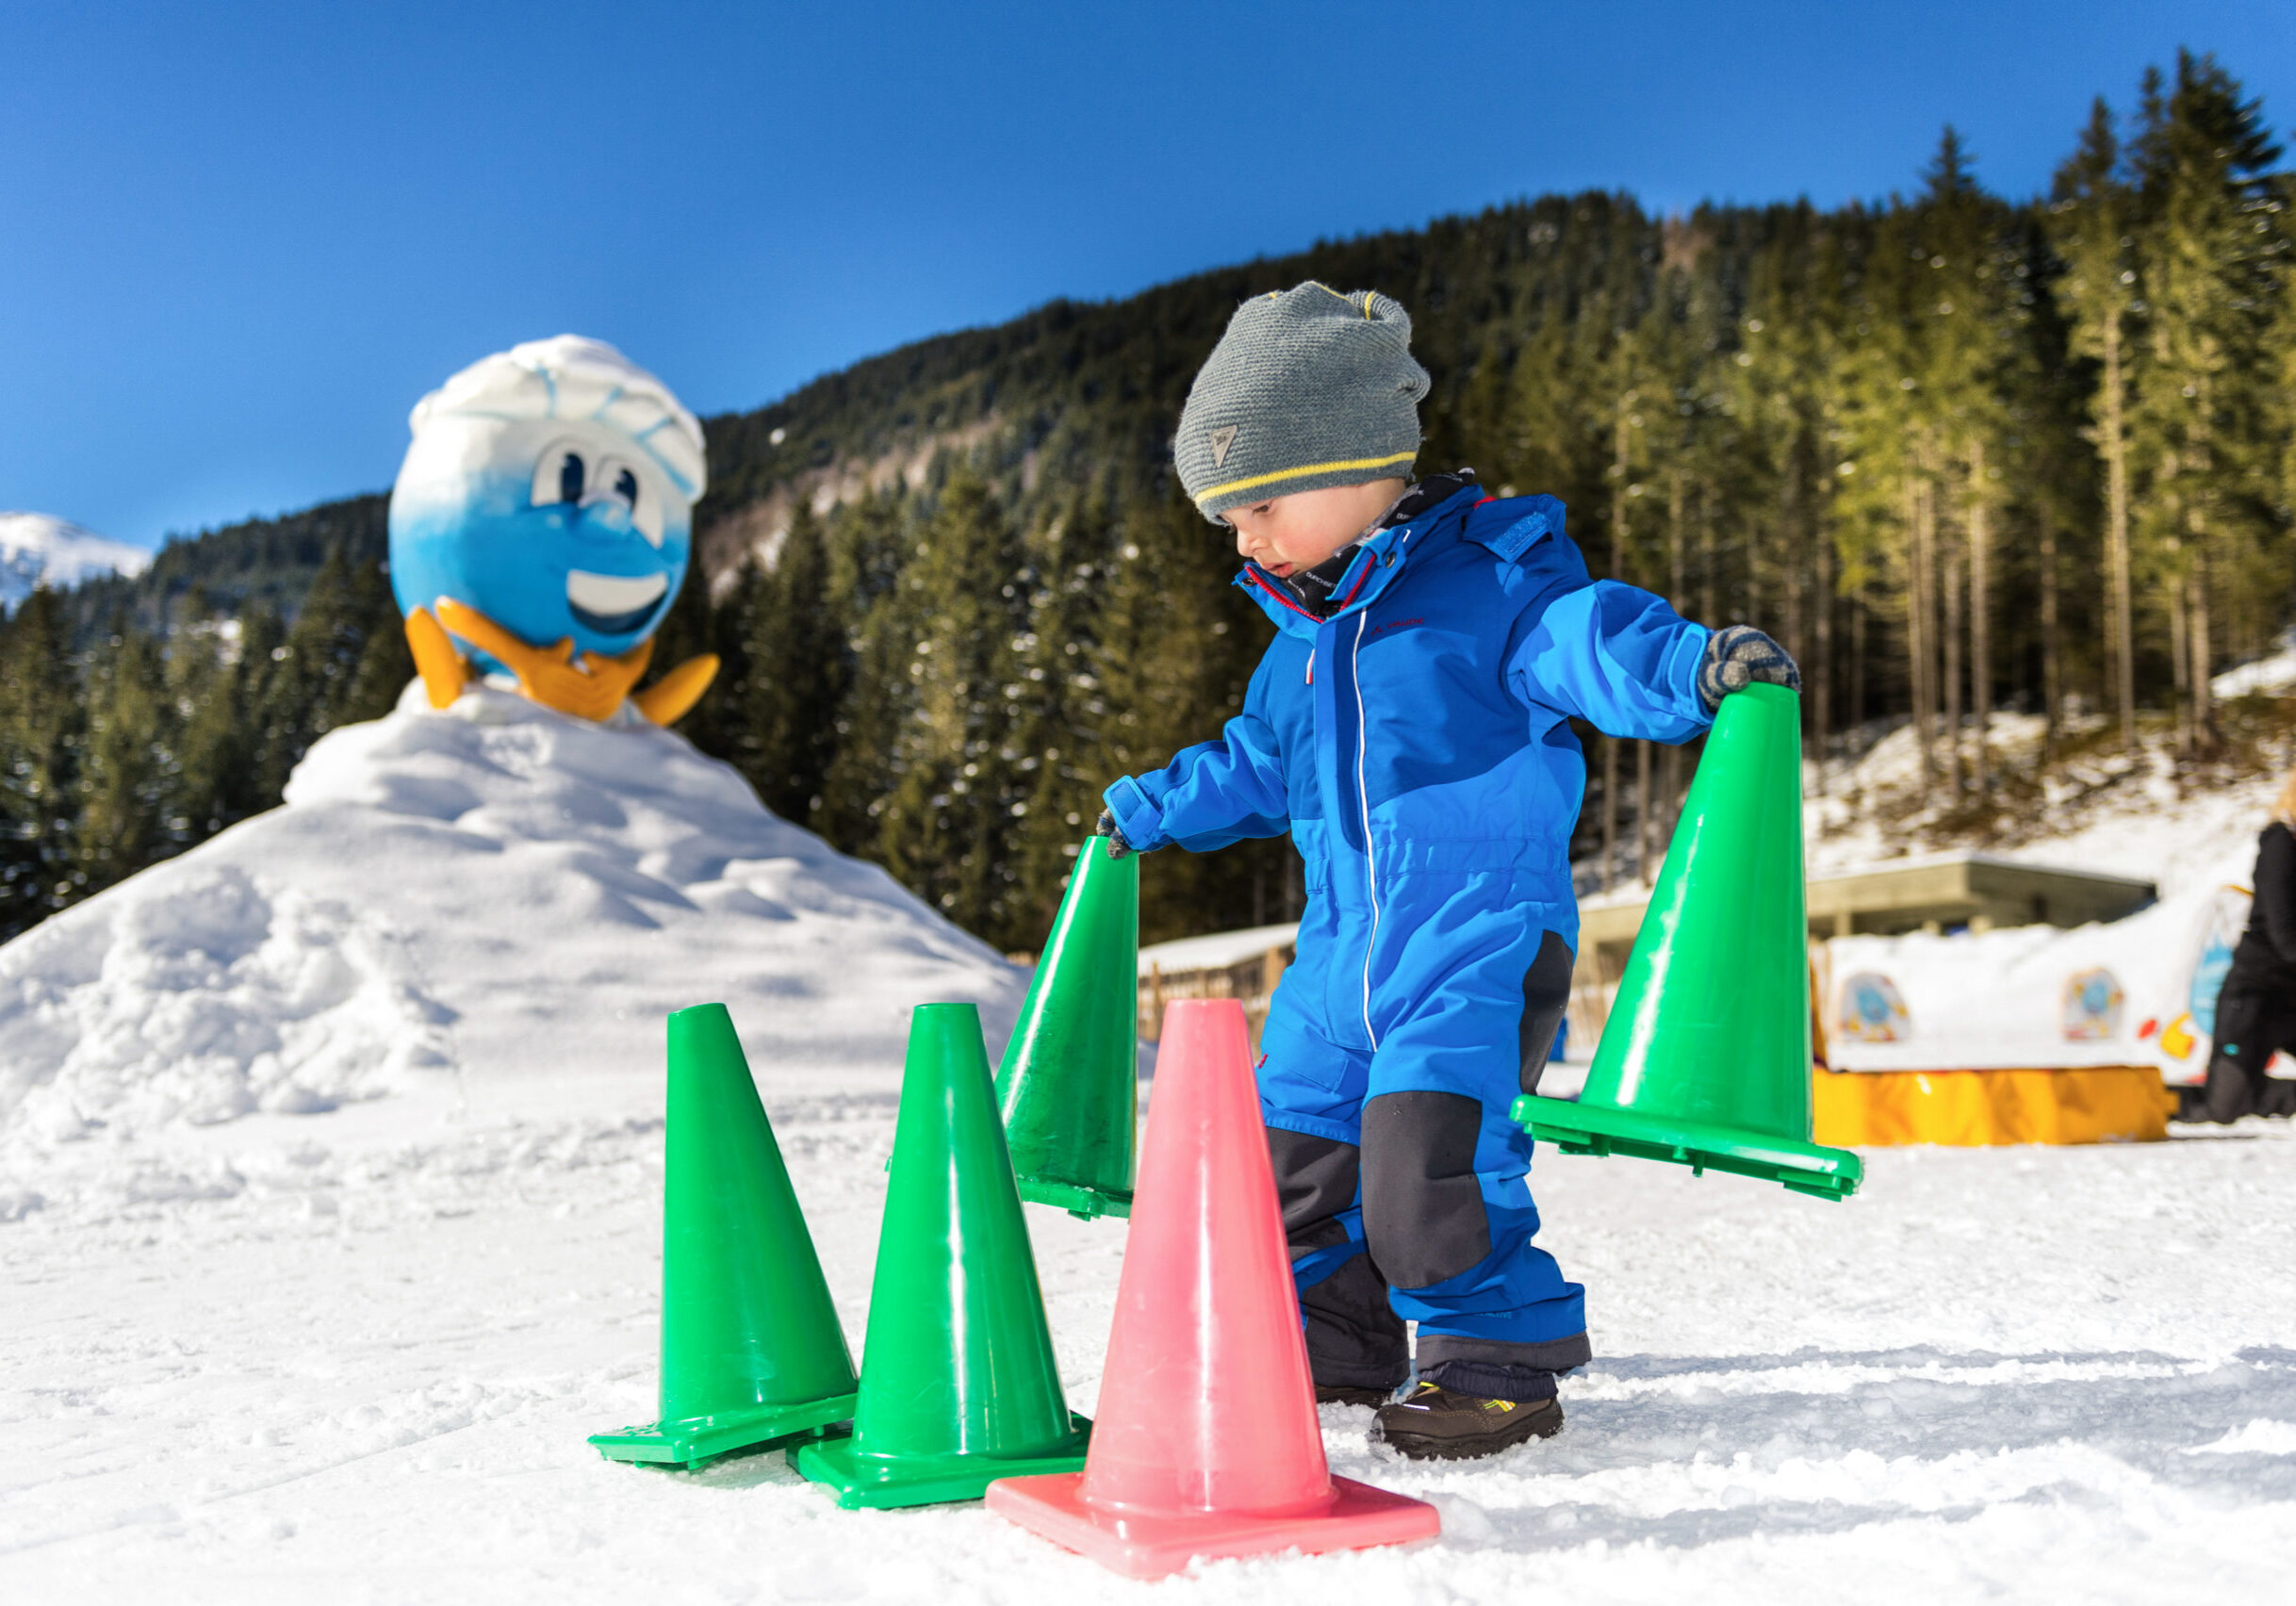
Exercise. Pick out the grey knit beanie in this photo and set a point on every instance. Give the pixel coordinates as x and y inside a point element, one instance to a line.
<point>1307,388</point>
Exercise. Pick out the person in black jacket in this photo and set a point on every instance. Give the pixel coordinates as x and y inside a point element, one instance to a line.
<point>2255,1011</point>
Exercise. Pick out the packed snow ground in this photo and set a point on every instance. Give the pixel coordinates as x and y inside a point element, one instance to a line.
<point>333,1324</point>
<point>354,1357</point>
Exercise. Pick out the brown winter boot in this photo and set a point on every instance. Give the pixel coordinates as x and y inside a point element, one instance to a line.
<point>1434,1423</point>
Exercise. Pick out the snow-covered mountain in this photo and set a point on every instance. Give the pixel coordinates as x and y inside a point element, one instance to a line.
<point>497,905</point>
<point>36,547</point>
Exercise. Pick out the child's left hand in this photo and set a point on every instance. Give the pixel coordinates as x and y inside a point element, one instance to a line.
<point>1106,826</point>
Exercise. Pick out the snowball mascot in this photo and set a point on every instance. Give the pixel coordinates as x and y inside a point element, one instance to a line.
<point>543,515</point>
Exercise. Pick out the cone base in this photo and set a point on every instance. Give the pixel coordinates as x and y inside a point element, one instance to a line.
<point>693,1440</point>
<point>1077,1200</point>
<point>1595,1130</point>
<point>873,1483</point>
<point>1140,1545</point>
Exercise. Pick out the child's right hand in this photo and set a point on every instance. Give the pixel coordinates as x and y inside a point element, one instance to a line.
<point>1737,657</point>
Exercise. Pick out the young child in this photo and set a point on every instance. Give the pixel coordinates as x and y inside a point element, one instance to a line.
<point>1408,728</point>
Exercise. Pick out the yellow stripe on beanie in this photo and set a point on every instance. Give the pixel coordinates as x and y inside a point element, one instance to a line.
<point>1344,466</point>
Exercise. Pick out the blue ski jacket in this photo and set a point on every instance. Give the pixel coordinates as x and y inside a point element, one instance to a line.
<point>1416,745</point>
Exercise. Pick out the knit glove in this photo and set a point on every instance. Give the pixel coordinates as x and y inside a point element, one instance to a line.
<point>1106,826</point>
<point>1739,656</point>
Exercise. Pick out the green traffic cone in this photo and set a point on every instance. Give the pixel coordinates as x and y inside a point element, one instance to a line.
<point>958,1382</point>
<point>751,1350</point>
<point>1069,1083</point>
<point>1705,1061</point>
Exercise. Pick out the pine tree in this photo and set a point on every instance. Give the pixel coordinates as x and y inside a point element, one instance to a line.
<point>1967,337</point>
<point>884,604</point>
<point>202,666</point>
<point>946,829</point>
<point>126,814</point>
<point>42,721</point>
<point>2211,242</point>
<point>2092,213</point>
<point>1056,736</point>
<point>1884,501</point>
<point>2051,461</point>
<point>796,674</point>
<point>344,660</point>
<point>1780,381</point>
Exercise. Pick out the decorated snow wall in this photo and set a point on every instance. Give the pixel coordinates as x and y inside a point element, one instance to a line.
<point>2134,991</point>
<point>2031,1035</point>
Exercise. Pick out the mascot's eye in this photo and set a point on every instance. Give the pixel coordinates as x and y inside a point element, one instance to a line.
<point>559,474</point>
<point>618,481</point>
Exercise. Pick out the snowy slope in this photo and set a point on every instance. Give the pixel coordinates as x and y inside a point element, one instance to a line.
<point>490,908</point>
<point>35,547</point>
<point>2118,814</point>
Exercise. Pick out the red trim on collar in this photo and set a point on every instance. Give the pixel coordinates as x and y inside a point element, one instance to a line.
<point>1280,596</point>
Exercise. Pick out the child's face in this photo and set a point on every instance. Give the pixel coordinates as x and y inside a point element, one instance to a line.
<point>1287,534</point>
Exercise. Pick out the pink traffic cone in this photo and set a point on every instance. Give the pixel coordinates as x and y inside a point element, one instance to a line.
<point>1206,1442</point>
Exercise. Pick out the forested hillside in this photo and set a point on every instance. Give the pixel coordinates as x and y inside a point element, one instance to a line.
<point>1961,452</point>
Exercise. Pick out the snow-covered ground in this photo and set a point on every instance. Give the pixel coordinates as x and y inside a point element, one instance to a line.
<point>354,1357</point>
<point>332,1325</point>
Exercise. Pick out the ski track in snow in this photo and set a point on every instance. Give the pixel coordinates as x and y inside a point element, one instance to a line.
<point>330,1226</point>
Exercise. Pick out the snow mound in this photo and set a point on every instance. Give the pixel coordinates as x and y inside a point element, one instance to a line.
<point>2262,1436</point>
<point>496,904</point>
<point>36,549</point>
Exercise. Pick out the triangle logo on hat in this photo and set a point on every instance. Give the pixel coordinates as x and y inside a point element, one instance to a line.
<point>1223,438</point>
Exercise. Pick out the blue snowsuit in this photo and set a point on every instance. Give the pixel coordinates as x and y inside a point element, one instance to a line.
<point>1415,744</point>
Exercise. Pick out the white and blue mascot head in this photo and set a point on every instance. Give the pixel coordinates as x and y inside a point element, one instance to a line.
<point>549,493</point>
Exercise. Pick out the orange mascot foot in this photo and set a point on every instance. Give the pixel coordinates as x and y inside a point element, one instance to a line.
<point>667,700</point>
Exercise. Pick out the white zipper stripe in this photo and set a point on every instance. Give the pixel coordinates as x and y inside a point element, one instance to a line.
<point>1363,795</point>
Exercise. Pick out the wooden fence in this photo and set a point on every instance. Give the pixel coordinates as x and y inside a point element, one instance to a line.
<point>1251,979</point>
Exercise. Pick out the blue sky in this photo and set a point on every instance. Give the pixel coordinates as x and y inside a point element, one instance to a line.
<point>237,241</point>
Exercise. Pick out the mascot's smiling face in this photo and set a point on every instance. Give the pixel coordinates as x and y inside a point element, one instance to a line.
<point>552,488</point>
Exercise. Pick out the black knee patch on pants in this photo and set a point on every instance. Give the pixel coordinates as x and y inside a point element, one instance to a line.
<point>1315,1180</point>
<point>1424,1218</point>
<point>1546,999</point>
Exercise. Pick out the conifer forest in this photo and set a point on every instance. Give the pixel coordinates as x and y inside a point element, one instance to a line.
<point>1962,453</point>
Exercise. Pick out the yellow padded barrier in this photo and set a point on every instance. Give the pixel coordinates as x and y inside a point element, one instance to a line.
<point>1974,1108</point>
